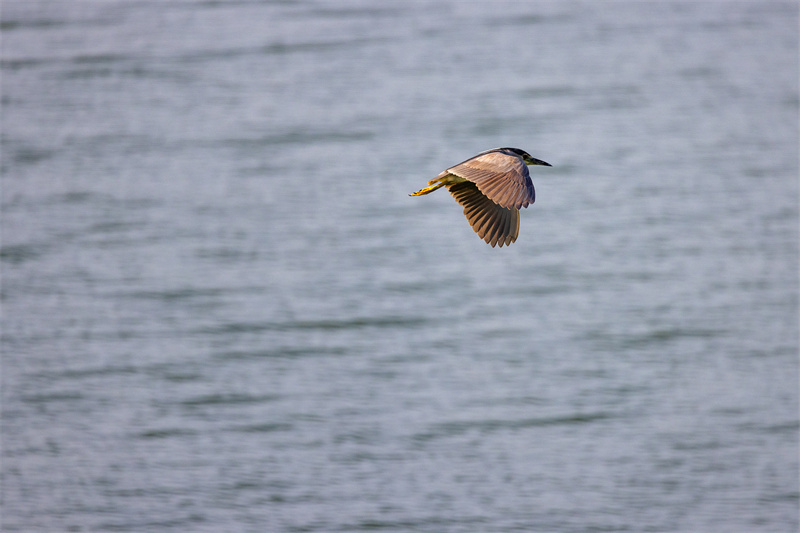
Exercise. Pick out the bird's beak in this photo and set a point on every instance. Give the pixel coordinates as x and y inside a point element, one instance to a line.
<point>534,161</point>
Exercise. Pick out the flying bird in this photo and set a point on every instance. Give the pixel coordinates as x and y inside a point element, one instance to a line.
<point>492,187</point>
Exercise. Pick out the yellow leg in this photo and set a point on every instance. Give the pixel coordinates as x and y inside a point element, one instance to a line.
<point>428,189</point>
<point>435,183</point>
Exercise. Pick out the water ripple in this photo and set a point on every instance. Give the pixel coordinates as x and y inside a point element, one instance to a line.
<point>450,429</point>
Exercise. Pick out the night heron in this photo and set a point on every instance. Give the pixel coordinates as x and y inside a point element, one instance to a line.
<point>492,186</point>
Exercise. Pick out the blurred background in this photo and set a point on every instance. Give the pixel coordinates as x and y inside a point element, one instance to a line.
<point>222,312</point>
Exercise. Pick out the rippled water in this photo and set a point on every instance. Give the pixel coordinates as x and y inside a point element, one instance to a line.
<point>222,312</point>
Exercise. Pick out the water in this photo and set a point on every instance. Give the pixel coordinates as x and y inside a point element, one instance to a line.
<point>222,312</point>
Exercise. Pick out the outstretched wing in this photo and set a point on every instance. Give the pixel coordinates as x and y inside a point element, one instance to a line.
<point>503,178</point>
<point>493,223</point>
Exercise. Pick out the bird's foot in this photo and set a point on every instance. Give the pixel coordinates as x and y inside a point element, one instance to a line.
<point>428,189</point>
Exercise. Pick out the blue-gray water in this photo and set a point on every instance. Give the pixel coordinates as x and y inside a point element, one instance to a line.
<point>222,312</point>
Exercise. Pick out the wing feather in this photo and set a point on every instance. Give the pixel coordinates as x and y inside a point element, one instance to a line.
<point>492,222</point>
<point>503,178</point>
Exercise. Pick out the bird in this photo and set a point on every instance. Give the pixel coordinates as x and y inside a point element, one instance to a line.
<point>492,187</point>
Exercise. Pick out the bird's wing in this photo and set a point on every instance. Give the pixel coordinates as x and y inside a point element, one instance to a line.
<point>493,223</point>
<point>503,178</point>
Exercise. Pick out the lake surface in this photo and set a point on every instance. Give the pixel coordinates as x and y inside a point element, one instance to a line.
<point>221,311</point>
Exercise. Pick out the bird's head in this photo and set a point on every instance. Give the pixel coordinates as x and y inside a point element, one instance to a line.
<point>526,157</point>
